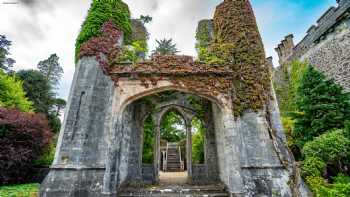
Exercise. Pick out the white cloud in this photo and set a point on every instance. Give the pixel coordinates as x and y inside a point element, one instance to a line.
<point>39,28</point>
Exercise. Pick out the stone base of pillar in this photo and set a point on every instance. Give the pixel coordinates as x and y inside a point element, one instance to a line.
<point>73,183</point>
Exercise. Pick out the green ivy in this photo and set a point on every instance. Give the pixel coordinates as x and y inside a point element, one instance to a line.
<point>100,12</point>
<point>134,52</point>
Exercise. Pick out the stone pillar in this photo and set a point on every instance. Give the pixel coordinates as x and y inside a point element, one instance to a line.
<point>157,152</point>
<point>232,149</point>
<point>189,150</point>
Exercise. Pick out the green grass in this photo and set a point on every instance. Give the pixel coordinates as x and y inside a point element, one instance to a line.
<point>26,190</point>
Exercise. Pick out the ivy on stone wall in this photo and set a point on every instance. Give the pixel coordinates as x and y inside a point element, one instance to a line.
<point>238,43</point>
<point>99,13</point>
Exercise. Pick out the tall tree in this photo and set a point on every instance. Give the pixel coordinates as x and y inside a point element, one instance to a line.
<point>5,63</point>
<point>165,47</point>
<point>321,104</point>
<point>51,69</point>
<point>40,92</point>
<point>38,89</point>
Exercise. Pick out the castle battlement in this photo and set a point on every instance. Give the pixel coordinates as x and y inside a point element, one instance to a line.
<point>325,24</point>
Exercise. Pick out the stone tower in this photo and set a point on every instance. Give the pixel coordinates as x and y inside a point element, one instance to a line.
<point>100,145</point>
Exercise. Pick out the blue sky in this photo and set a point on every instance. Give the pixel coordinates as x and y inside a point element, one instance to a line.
<point>39,28</point>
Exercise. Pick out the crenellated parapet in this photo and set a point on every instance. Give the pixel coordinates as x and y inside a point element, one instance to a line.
<point>324,26</point>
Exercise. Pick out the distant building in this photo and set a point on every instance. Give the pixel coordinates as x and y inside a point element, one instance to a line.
<point>326,46</point>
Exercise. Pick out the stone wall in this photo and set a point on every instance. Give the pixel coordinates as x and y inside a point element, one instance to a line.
<point>326,46</point>
<point>332,56</point>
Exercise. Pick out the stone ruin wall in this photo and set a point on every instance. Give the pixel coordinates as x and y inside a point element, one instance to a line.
<point>326,46</point>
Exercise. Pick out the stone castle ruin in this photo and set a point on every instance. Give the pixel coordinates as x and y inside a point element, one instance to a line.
<point>99,151</point>
<point>326,46</point>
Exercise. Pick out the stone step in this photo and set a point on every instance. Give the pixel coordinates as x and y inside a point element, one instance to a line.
<point>191,191</point>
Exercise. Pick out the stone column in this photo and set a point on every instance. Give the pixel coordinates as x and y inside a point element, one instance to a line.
<point>157,152</point>
<point>232,149</point>
<point>189,150</point>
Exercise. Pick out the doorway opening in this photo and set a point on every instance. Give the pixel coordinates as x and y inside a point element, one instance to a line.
<point>173,138</point>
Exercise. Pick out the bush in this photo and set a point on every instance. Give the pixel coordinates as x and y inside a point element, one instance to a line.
<point>23,137</point>
<point>12,94</point>
<point>331,147</point>
<point>27,190</point>
<point>48,156</point>
<point>313,166</point>
<point>321,188</point>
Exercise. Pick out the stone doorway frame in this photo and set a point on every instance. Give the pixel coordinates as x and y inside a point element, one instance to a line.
<point>187,115</point>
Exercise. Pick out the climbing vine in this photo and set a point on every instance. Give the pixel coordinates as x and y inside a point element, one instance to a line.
<point>100,12</point>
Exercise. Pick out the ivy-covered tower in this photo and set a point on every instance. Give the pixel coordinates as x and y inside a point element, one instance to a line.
<point>99,151</point>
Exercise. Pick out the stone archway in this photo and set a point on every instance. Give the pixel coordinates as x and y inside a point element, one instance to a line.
<point>98,149</point>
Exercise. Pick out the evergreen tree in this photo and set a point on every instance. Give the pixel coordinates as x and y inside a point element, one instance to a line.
<point>5,62</point>
<point>40,92</point>
<point>165,47</point>
<point>322,105</point>
<point>38,89</point>
<point>51,69</point>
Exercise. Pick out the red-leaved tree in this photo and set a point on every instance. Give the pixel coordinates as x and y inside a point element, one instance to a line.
<point>23,137</point>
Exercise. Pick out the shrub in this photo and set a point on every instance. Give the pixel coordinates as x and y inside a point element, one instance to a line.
<point>331,147</point>
<point>313,166</point>
<point>12,94</point>
<point>321,188</point>
<point>47,157</point>
<point>23,137</point>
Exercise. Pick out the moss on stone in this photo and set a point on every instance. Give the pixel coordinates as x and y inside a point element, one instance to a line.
<point>99,13</point>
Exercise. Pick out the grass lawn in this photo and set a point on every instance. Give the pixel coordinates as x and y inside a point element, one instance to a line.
<point>26,190</point>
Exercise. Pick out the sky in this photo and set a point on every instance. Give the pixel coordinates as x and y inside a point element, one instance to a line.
<point>38,28</point>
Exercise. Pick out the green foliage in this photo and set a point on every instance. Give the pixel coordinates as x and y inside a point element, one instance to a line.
<point>12,94</point>
<point>48,156</point>
<point>322,105</point>
<point>172,127</point>
<point>51,69</point>
<point>320,188</point>
<point>313,166</point>
<point>332,147</point>
<point>148,141</point>
<point>26,190</point>
<point>135,52</point>
<point>197,142</point>
<point>100,12</point>
<point>6,63</point>
<point>288,92</point>
<point>54,122</point>
<point>165,47</point>
<point>38,89</point>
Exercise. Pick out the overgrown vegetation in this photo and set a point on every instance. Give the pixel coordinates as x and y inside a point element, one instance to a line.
<point>26,190</point>
<point>316,111</point>
<point>100,12</point>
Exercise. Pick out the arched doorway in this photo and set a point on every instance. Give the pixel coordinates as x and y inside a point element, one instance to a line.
<point>170,120</point>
